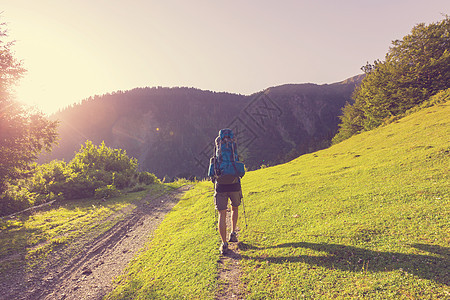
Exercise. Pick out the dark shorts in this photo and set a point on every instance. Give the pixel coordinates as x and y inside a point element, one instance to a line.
<point>221,199</point>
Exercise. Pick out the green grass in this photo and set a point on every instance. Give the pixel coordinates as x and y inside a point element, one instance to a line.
<point>365,219</point>
<point>27,239</point>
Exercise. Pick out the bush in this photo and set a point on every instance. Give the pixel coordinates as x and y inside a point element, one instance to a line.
<point>94,171</point>
<point>147,178</point>
<point>122,180</point>
<point>106,192</point>
<point>79,187</point>
<point>14,199</point>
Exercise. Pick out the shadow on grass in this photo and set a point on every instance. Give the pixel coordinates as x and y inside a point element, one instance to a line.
<point>349,258</point>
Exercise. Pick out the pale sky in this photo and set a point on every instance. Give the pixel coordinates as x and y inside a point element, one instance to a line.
<point>77,49</point>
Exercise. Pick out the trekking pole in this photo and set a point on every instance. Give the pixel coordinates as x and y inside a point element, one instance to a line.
<point>215,218</point>
<point>215,214</point>
<point>245,216</point>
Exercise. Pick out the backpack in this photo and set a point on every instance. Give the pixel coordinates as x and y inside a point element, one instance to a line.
<point>225,166</point>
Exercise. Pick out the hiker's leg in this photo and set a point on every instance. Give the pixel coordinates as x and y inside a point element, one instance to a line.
<point>223,225</point>
<point>235,198</point>
<point>221,202</point>
<point>234,217</point>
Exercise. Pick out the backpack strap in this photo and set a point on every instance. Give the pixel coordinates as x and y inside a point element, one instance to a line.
<point>215,158</point>
<point>234,158</point>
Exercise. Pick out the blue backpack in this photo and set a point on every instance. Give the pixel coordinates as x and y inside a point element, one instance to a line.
<point>225,166</point>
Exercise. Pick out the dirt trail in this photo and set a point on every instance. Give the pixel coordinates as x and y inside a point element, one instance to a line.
<point>90,274</point>
<point>230,270</point>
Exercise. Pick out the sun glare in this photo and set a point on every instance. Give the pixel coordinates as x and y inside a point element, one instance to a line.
<point>63,66</point>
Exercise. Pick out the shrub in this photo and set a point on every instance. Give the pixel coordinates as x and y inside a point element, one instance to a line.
<point>14,199</point>
<point>106,192</point>
<point>94,171</point>
<point>122,180</point>
<point>147,178</point>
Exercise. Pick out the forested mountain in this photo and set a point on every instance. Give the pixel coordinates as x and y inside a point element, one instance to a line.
<point>171,130</point>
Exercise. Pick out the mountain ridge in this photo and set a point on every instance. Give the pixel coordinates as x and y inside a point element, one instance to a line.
<point>170,130</point>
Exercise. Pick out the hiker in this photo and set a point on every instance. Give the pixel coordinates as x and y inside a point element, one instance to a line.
<point>223,192</point>
<point>226,171</point>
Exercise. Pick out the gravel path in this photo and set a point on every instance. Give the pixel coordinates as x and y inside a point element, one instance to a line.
<point>229,269</point>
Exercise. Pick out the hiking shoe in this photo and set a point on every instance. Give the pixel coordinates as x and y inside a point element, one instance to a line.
<point>233,237</point>
<point>224,248</point>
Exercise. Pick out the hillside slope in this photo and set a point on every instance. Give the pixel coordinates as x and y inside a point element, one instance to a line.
<point>171,130</point>
<point>367,218</point>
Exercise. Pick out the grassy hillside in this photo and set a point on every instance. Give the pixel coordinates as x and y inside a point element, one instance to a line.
<point>367,218</point>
